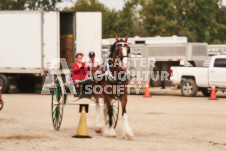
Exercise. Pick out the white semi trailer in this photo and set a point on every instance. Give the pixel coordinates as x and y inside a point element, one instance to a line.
<point>30,39</point>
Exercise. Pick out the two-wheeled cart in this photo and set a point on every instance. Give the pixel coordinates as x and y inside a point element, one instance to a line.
<point>59,94</point>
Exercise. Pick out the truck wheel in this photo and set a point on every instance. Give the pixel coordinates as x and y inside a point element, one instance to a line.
<point>206,92</point>
<point>5,83</point>
<point>189,88</point>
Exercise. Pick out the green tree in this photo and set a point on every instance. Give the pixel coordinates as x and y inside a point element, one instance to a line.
<point>30,4</point>
<point>87,6</point>
<point>221,24</point>
<point>200,19</point>
<point>183,23</point>
<point>12,4</point>
<point>108,17</point>
<point>42,4</point>
<point>114,22</point>
<point>158,17</point>
<point>109,21</point>
<point>126,21</point>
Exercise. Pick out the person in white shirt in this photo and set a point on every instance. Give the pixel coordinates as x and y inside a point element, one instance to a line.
<point>92,62</point>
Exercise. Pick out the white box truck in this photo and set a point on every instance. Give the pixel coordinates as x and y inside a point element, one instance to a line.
<point>30,39</point>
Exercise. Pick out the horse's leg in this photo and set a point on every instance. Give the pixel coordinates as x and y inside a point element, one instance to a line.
<point>126,131</point>
<point>105,111</point>
<point>109,130</point>
<point>99,122</point>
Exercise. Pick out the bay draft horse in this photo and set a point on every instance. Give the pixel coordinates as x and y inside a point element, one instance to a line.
<point>117,63</point>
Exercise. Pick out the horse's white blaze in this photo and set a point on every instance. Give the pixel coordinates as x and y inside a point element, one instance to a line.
<point>124,53</point>
<point>126,132</point>
<point>99,123</point>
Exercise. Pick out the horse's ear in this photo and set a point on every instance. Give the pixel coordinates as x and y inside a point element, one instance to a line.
<point>116,37</point>
<point>126,38</point>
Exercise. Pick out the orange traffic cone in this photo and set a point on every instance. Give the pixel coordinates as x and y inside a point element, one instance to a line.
<point>147,92</point>
<point>213,93</point>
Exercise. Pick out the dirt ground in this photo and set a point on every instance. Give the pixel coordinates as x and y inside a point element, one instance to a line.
<point>160,123</point>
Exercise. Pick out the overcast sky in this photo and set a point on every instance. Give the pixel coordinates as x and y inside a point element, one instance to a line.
<point>112,4</point>
<point>116,4</point>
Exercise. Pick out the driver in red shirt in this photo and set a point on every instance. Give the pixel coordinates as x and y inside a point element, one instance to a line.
<point>79,69</point>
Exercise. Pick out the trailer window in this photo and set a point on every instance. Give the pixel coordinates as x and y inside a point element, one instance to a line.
<point>220,63</point>
<point>139,42</point>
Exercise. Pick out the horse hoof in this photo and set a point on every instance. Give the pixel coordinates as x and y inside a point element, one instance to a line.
<point>98,129</point>
<point>127,137</point>
<point>128,134</point>
<point>109,132</point>
<point>99,126</point>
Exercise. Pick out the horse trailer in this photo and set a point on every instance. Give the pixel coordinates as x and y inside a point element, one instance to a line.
<point>160,54</point>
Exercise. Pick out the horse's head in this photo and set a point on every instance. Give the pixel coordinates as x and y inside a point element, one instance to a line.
<point>122,51</point>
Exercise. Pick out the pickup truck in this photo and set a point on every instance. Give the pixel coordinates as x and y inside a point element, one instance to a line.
<point>194,79</point>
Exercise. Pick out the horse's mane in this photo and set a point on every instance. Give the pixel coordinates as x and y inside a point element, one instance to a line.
<point>113,48</point>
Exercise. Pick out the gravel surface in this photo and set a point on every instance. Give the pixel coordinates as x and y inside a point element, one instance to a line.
<point>162,122</point>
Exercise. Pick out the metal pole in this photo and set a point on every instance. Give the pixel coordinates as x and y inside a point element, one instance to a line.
<point>42,43</point>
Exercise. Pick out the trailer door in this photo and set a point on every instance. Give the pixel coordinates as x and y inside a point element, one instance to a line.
<point>51,38</point>
<point>89,33</point>
<point>20,41</point>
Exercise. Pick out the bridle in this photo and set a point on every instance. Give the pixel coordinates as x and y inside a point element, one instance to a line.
<point>122,44</point>
<point>126,76</point>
